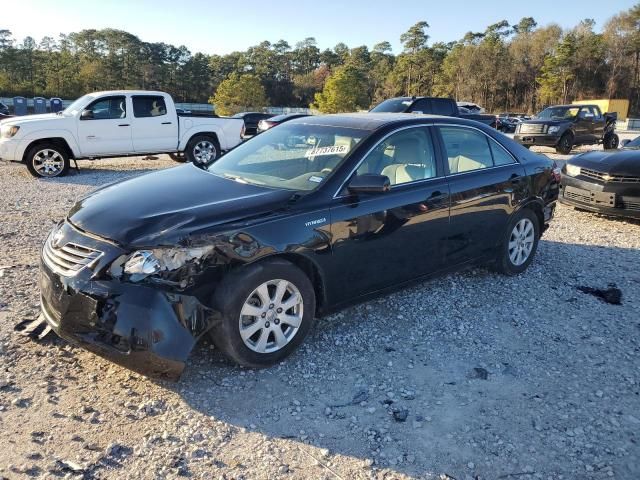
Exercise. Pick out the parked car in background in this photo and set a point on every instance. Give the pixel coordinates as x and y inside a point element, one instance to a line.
<point>605,182</point>
<point>268,123</point>
<point>431,105</point>
<point>303,219</point>
<point>506,124</point>
<point>114,124</point>
<point>4,109</point>
<point>251,120</point>
<point>568,126</point>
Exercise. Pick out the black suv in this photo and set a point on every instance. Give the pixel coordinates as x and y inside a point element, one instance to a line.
<point>567,126</point>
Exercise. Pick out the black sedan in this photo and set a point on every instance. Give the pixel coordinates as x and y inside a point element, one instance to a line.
<point>606,182</point>
<point>251,120</point>
<point>303,219</point>
<point>268,123</point>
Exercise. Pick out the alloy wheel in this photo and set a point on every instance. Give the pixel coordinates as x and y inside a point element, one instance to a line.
<point>521,242</point>
<point>48,163</point>
<point>271,316</point>
<point>204,152</point>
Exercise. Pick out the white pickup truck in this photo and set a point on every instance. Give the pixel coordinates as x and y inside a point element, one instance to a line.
<point>114,124</point>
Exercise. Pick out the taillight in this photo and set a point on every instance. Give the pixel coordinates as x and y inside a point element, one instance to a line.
<point>556,172</point>
<point>242,130</point>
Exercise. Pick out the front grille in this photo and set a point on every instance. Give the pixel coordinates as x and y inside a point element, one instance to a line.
<point>630,203</point>
<point>68,259</point>
<point>577,197</point>
<point>533,128</point>
<point>606,177</point>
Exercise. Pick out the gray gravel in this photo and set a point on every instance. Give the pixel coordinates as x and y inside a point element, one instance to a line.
<point>471,376</point>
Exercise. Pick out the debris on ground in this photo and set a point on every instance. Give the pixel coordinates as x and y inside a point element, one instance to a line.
<point>612,295</point>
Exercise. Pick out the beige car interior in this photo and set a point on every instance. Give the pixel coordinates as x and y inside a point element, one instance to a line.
<point>157,110</point>
<point>466,150</point>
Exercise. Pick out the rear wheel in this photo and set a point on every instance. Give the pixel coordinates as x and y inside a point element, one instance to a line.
<point>519,244</point>
<point>611,141</point>
<point>565,144</point>
<point>202,150</point>
<point>47,160</point>
<point>267,311</point>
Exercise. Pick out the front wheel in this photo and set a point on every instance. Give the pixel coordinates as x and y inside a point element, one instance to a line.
<point>519,244</point>
<point>202,150</point>
<point>47,160</point>
<point>611,141</point>
<point>267,310</point>
<point>565,144</point>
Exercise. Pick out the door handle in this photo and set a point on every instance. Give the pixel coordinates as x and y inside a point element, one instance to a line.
<point>437,195</point>
<point>123,125</point>
<point>166,123</point>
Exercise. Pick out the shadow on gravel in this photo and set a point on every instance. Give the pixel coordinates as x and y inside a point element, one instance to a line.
<point>414,380</point>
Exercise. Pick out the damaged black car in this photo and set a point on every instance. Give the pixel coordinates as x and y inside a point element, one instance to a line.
<point>295,223</point>
<point>604,182</point>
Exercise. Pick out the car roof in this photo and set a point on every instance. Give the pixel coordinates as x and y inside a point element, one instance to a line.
<point>374,121</point>
<point>128,92</point>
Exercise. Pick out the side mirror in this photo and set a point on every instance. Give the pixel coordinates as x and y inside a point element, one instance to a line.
<point>86,114</point>
<point>369,183</point>
<point>624,142</point>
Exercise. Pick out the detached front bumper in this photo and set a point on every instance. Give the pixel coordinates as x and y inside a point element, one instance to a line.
<point>531,139</point>
<point>145,329</point>
<point>607,198</point>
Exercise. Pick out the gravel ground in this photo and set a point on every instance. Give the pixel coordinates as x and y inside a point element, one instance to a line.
<point>435,382</point>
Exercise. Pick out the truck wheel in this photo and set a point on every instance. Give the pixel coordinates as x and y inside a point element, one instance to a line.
<point>267,309</point>
<point>47,160</point>
<point>202,150</point>
<point>611,141</point>
<point>565,144</point>
<point>178,157</point>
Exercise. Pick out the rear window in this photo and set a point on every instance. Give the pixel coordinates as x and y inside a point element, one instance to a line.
<point>394,105</point>
<point>442,106</point>
<point>148,106</point>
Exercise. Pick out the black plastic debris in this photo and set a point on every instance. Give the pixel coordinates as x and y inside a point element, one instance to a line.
<point>400,414</point>
<point>35,329</point>
<point>479,373</point>
<point>612,295</point>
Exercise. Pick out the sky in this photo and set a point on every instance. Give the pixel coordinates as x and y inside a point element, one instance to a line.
<point>224,26</point>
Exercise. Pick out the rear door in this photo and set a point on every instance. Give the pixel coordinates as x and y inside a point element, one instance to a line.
<point>584,126</point>
<point>154,129</point>
<point>105,128</point>
<point>384,239</point>
<point>486,184</point>
<point>597,126</point>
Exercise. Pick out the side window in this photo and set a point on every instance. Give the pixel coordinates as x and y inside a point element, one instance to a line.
<point>421,106</point>
<point>500,155</point>
<point>442,106</point>
<point>466,149</point>
<point>404,157</point>
<point>148,106</point>
<point>107,108</point>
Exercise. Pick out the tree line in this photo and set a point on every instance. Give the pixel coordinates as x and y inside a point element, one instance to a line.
<point>520,67</point>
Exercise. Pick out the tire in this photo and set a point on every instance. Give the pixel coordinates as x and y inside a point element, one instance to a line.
<point>611,141</point>
<point>47,160</point>
<point>239,292</point>
<point>202,150</point>
<point>565,144</point>
<point>508,261</point>
<point>178,157</point>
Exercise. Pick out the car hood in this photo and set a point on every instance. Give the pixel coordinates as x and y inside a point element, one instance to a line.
<point>163,207</point>
<point>545,122</point>
<point>26,119</point>
<point>615,162</point>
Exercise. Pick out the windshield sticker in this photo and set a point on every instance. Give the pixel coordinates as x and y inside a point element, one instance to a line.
<point>331,150</point>
<point>316,179</point>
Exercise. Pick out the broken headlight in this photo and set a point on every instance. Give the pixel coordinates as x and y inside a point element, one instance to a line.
<point>147,263</point>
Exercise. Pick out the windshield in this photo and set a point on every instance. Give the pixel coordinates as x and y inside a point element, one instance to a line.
<point>75,107</point>
<point>293,156</point>
<point>394,105</point>
<point>633,143</point>
<point>559,113</point>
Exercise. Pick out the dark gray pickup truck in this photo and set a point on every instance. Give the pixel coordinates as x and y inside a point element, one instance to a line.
<point>567,126</point>
<point>431,106</point>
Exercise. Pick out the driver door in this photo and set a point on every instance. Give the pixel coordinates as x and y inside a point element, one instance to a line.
<point>584,125</point>
<point>383,239</point>
<point>104,127</point>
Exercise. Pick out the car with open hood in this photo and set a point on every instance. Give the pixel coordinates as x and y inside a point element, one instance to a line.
<point>299,221</point>
<point>604,182</point>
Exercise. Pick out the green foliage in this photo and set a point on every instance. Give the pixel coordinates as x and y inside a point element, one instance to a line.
<point>505,67</point>
<point>344,91</point>
<point>239,93</point>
